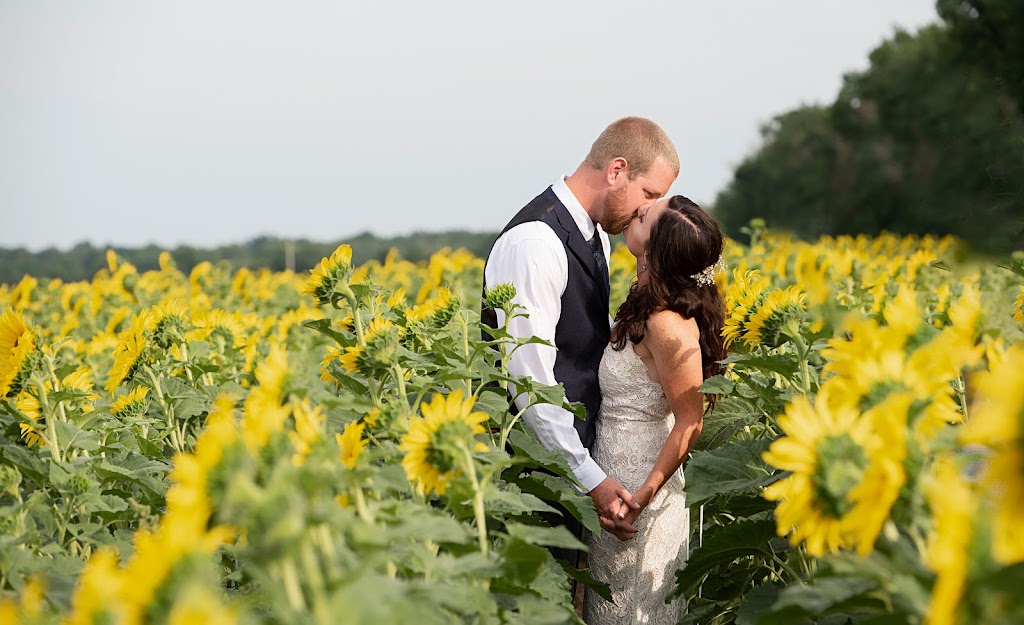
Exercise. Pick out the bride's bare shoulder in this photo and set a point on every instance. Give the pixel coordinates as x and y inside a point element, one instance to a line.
<point>666,326</point>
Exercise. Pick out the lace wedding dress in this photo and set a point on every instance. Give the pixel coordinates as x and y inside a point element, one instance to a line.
<point>634,421</point>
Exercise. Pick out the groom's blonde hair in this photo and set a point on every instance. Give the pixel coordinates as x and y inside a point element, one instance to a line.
<point>638,140</point>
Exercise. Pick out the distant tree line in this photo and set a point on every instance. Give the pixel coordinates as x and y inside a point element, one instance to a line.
<point>83,260</point>
<point>929,139</point>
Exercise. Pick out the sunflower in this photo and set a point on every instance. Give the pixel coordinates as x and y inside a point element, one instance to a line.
<point>309,421</point>
<point>844,475</point>
<point>169,322</point>
<point>128,354</point>
<point>436,311</point>
<point>1018,308</point>
<point>116,319</point>
<point>436,443</point>
<point>397,298</point>
<point>780,307</point>
<point>348,360</point>
<point>965,313</point>
<point>183,529</point>
<point>997,421</point>
<point>197,604</point>
<point>29,406</point>
<point>330,278</point>
<point>263,410</point>
<point>133,404</point>
<point>17,342</point>
<point>953,505</point>
<point>333,354</point>
<point>380,338</point>
<point>220,324</point>
<point>80,380</point>
<point>21,296</point>
<point>351,443</point>
<point>743,297</point>
<point>812,272</point>
<point>77,385</point>
<point>99,590</point>
<point>902,314</point>
<point>905,355</point>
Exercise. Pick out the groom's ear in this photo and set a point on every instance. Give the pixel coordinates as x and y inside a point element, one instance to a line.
<point>616,171</point>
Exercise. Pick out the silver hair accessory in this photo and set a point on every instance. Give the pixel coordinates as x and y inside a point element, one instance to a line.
<point>707,276</point>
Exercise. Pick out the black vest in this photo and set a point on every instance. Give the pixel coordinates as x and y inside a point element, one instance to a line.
<point>582,331</point>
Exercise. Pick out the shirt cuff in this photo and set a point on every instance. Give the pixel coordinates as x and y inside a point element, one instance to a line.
<point>589,474</point>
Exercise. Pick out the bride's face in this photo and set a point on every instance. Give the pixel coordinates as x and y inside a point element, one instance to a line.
<point>638,231</point>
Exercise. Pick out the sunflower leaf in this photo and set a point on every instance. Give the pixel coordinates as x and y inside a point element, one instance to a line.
<point>818,599</point>
<point>544,536</point>
<point>588,580</point>
<point>530,452</point>
<point>522,561</point>
<point>717,385</point>
<point>721,547</point>
<point>730,415</point>
<point>731,469</point>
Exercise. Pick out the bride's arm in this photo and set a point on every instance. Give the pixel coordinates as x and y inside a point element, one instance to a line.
<point>675,346</point>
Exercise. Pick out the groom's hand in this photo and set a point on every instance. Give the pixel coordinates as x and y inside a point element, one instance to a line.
<point>613,501</point>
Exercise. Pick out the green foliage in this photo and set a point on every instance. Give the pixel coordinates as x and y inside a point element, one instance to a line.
<point>989,33</point>
<point>928,140</point>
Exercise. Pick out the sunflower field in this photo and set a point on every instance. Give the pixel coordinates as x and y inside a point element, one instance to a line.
<point>235,446</point>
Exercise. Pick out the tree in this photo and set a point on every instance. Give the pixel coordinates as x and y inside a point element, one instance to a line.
<point>989,34</point>
<point>788,180</point>
<point>920,142</point>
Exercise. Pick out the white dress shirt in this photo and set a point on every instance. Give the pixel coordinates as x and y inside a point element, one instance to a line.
<point>533,259</point>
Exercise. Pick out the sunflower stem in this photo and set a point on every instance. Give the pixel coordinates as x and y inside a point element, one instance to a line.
<point>168,411</point>
<point>802,352</point>
<point>51,426</point>
<point>184,356</point>
<point>399,374</point>
<point>478,499</point>
<point>785,567</point>
<point>961,395</point>
<point>323,540</point>
<point>464,325</point>
<point>506,430</point>
<point>56,386</point>
<point>361,507</point>
<point>503,367</point>
<point>292,586</point>
<point>357,321</point>
<point>315,580</point>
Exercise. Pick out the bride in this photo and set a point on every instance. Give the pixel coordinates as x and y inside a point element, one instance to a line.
<point>666,341</point>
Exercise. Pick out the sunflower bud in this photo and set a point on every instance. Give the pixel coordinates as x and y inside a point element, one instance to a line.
<point>10,478</point>
<point>499,296</point>
<point>78,485</point>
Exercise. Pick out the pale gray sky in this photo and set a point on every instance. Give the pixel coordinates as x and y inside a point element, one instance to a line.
<point>214,121</point>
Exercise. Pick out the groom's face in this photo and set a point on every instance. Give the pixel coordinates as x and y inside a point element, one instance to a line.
<point>625,200</point>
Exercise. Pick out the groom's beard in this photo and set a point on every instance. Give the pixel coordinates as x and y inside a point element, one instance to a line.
<point>616,218</point>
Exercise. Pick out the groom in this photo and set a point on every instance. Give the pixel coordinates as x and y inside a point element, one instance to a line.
<point>555,251</point>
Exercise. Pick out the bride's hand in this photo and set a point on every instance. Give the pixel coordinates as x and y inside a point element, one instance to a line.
<point>642,498</point>
<point>621,530</point>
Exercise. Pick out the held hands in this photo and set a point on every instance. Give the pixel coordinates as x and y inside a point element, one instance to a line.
<point>622,526</point>
<point>614,504</point>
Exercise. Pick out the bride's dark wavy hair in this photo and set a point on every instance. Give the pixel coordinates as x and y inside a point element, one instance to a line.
<point>684,242</point>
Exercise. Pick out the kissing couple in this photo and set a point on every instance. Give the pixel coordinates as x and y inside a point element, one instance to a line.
<point>639,374</point>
